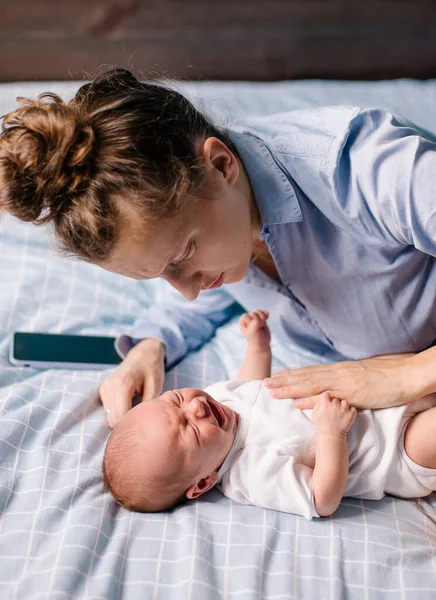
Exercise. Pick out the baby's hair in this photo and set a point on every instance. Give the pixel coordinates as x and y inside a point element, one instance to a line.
<point>129,481</point>
<point>120,146</point>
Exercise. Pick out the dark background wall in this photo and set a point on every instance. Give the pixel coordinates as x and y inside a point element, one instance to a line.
<point>230,39</point>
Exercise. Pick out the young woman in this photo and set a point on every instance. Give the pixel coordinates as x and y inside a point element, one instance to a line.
<point>325,217</point>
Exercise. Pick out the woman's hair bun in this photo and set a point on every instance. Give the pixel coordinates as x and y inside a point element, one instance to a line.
<point>106,84</point>
<point>46,150</point>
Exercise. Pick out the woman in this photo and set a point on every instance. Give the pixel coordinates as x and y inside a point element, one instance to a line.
<point>322,216</point>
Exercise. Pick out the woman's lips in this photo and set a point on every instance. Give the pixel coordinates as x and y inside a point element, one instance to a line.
<point>217,283</point>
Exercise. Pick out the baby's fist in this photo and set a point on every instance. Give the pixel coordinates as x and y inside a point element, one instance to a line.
<point>254,328</point>
<point>332,417</point>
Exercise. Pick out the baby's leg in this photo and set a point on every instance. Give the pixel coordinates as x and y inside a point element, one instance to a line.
<point>420,439</point>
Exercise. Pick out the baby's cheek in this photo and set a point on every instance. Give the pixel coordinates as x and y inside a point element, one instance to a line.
<point>218,439</point>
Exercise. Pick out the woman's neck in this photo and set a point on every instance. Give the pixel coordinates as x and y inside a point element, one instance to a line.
<point>247,191</point>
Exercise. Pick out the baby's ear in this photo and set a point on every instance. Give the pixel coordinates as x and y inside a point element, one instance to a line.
<point>201,487</point>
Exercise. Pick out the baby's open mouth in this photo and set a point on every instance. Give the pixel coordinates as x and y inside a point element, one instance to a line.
<point>217,414</point>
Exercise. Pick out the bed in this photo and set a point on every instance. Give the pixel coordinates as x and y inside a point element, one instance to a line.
<point>62,536</point>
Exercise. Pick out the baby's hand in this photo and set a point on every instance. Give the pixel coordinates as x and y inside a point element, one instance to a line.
<point>332,417</point>
<point>254,328</point>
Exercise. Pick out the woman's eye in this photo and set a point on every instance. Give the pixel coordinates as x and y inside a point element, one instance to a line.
<point>189,254</point>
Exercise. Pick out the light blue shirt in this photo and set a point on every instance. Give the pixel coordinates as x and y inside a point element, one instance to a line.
<point>347,199</point>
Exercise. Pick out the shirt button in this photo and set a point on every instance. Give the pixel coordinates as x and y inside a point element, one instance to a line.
<point>267,231</point>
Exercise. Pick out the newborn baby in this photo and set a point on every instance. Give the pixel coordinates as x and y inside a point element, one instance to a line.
<point>263,451</point>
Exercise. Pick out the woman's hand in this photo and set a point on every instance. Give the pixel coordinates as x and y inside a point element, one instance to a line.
<point>375,382</point>
<point>141,373</point>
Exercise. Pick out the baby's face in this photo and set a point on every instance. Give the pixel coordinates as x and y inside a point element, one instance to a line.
<point>188,425</point>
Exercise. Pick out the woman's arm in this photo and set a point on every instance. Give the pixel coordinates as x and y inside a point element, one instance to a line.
<point>141,373</point>
<point>182,325</point>
<point>423,373</point>
<point>159,338</point>
<point>376,382</point>
<point>381,177</point>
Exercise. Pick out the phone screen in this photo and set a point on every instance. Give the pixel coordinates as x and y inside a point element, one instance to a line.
<point>48,347</point>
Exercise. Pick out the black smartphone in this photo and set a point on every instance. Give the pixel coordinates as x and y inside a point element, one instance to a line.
<point>64,351</point>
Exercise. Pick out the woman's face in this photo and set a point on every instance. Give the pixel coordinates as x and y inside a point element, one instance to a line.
<point>209,244</point>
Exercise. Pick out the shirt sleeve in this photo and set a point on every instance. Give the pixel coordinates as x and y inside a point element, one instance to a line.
<point>383,175</point>
<point>182,325</point>
<point>265,476</point>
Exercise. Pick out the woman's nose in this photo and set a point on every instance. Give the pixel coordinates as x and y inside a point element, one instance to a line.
<point>190,293</point>
<point>189,287</point>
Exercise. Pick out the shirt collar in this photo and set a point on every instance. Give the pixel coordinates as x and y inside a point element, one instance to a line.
<point>236,446</point>
<point>244,411</point>
<point>271,183</point>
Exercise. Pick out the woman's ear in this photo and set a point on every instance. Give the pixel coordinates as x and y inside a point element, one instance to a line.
<point>201,487</point>
<point>218,158</point>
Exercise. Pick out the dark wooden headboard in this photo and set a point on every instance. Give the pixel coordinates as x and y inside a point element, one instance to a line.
<point>226,39</point>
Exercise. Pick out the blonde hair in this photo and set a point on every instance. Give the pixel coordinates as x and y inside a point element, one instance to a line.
<point>119,145</point>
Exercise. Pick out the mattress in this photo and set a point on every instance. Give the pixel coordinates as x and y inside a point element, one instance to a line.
<point>62,536</point>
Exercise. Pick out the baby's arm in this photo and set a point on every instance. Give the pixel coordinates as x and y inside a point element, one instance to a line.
<point>257,361</point>
<point>332,419</point>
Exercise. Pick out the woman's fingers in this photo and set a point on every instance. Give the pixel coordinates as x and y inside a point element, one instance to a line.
<point>116,394</point>
<point>149,390</point>
<point>140,373</point>
<point>312,401</point>
<point>153,385</point>
<point>338,378</point>
<point>291,386</point>
<point>370,383</point>
<point>305,373</point>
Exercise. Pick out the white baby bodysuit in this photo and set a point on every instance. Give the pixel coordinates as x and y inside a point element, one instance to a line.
<point>272,457</point>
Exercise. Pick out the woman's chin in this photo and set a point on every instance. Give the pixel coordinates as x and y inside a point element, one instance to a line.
<point>234,277</point>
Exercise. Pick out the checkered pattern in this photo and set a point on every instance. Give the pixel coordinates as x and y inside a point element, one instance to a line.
<point>62,537</point>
